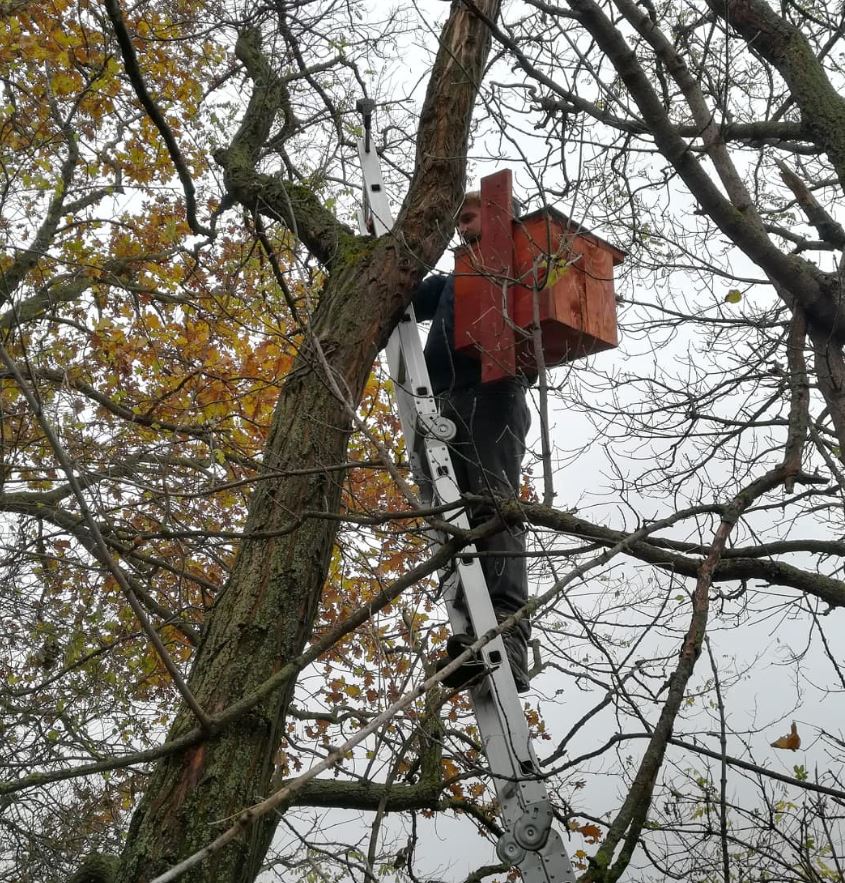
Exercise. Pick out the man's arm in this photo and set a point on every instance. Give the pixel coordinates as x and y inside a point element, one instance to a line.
<point>427,296</point>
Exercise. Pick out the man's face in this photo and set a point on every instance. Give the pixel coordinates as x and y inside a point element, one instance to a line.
<point>469,222</point>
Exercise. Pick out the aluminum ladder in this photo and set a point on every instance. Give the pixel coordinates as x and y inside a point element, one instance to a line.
<point>530,842</point>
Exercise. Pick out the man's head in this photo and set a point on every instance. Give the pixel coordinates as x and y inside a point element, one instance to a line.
<point>469,217</point>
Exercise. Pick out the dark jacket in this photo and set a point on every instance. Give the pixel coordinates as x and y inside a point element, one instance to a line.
<point>449,369</point>
<point>435,300</point>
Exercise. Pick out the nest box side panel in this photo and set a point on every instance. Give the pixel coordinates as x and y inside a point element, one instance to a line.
<point>571,277</point>
<point>468,310</point>
<point>599,306</point>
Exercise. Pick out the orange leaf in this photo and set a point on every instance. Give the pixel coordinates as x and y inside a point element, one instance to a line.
<point>590,832</point>
<point>792,740</point>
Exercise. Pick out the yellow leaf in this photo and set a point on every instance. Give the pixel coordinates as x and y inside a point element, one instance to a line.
<point>63,84</point>
<point>559,269</point>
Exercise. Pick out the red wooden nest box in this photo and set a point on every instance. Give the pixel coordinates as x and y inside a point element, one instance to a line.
<point>540,271</point>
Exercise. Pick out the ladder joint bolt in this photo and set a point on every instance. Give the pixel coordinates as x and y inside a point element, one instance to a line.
<point>531,829</point>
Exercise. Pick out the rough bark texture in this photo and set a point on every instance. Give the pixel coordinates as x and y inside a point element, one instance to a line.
<point>265,615</point>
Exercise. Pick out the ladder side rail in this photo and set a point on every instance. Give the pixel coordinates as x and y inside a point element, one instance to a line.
<point>406,363</point>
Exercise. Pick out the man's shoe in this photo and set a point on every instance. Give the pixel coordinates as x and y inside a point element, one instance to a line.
<point>470,670</point>
<point>516,647</point>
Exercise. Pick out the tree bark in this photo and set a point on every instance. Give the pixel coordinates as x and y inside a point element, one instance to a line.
<point>266,612</point>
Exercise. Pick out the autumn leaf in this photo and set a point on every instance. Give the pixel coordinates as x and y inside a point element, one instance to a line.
<point>559,268</point>
<point>791,740</point>
<point>579,859</point>
<point>590,832</point>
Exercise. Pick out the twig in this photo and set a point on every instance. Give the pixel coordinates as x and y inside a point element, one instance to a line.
<point>443,555</point>
<point>543,387</point>
<point>251,814</point>
<point>627,825</point>
<point>723,780</point>
<point>737,762</point>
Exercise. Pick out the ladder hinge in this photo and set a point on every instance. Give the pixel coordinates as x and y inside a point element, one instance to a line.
<point>435,426</point>
<point>531,829</point>
<point>509,851</point>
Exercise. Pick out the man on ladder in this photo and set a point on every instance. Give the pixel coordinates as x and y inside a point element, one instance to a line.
<point>529,840</point>
<point>491,421</point>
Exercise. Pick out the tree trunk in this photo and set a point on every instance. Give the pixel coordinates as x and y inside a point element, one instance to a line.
<point>265,615</point>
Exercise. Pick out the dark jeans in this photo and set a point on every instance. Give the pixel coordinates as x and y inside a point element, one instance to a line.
<point>492,421</point>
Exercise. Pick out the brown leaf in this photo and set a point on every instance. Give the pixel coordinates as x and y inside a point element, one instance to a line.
<point>591,833</point>
<point>792,740</point>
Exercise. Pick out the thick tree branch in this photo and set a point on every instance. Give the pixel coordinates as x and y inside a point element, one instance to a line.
<point>658,552</point>
<point>44,300</point>
<point>295,205</point>
<point>249,816</point>
<point>710,131</point>
<point>830,376</point>
<point>266,612</point>
<point>829,228</point>
<point>774,132</point>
